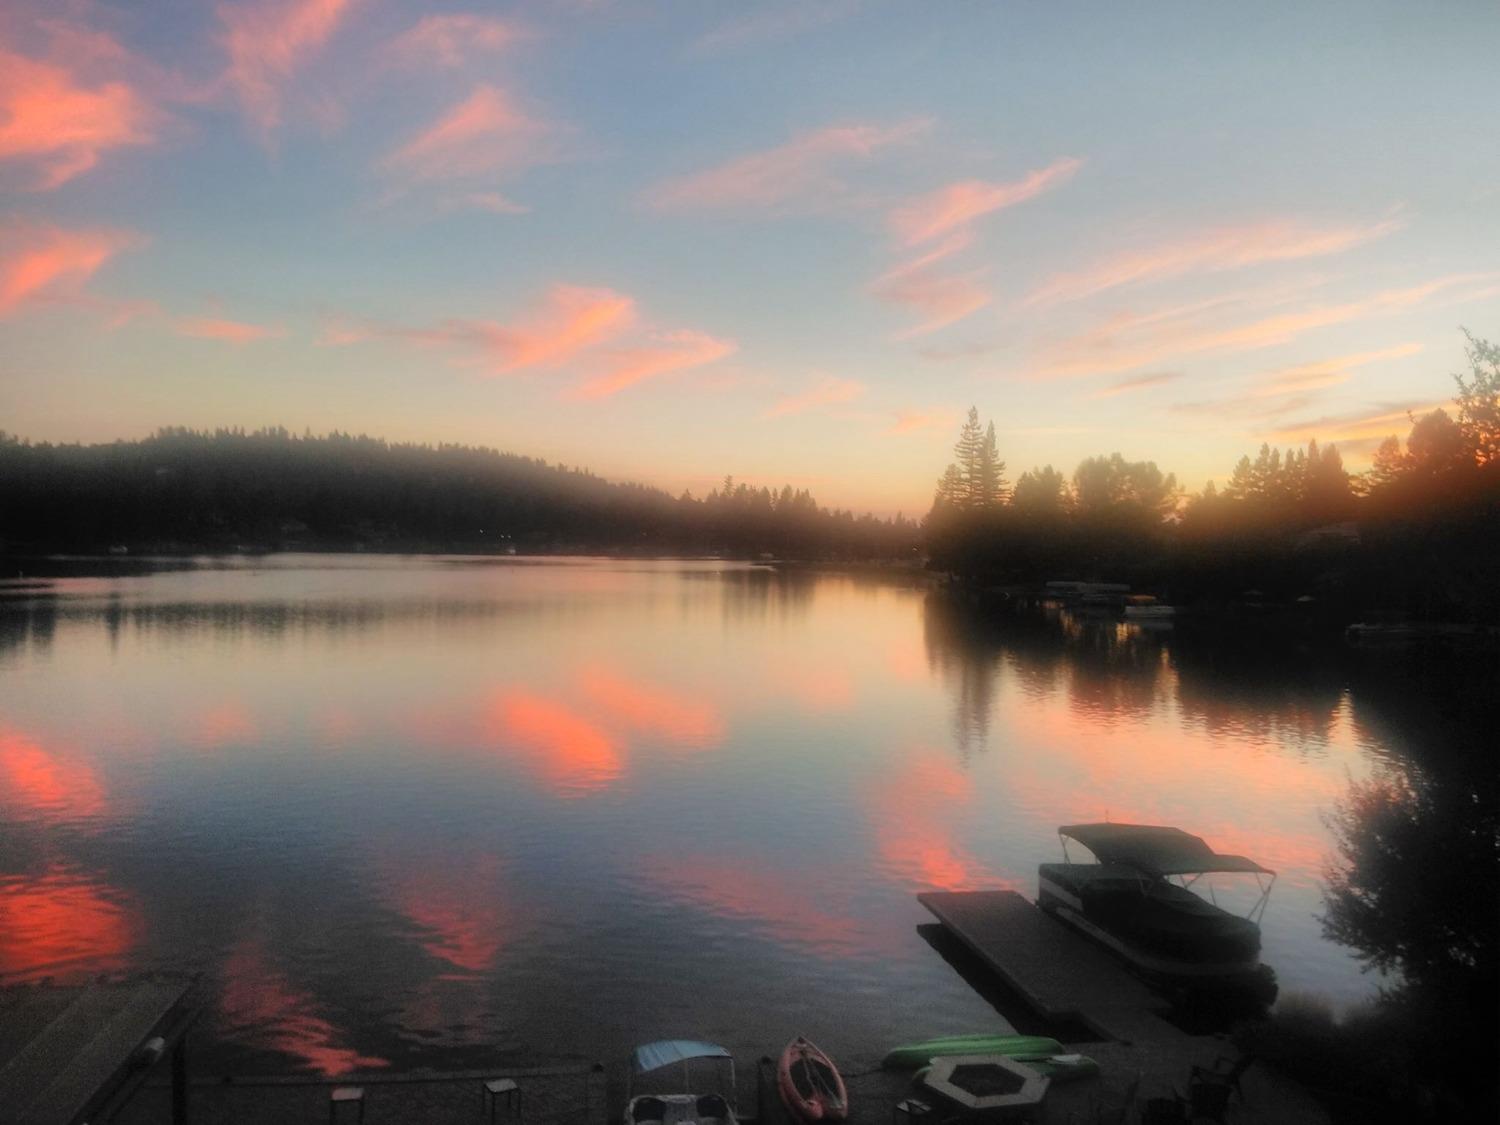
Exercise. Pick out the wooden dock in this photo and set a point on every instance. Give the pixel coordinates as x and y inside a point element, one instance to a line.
<point>1061,975</point>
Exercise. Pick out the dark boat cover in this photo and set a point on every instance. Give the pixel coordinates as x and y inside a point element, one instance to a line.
<point>1156,850</point>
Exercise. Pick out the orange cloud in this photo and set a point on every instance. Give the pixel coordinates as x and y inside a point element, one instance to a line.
<point>942,298</point>
<point>910,421</point>
<point>1126,341</point>
<point>805,166</point>
<point>1224,248</point>
<point>570,320</point>
<point>267,41</point>
<point>827,391</point>
<point>461,909</point>
<point>259,1005</point>
<point>1137,383</point>
<point>51,120</point>
<point>43,783</point>
<point>1326,372</point>
<point>486,133</point>
<point>39,262</point>
<point>955,206</point>
<point>449,40</point>
<point>573,754</point>
<point>59,920</point>
<point>672,351</point>
<point>651,709</point>
<point>1368,425</point>
<point>912,813</point>
<point>230,331</point>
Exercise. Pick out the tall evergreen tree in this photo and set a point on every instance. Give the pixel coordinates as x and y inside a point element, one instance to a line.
<point>970,450</point>
<point>1479,401</point>
<point>989,488</point>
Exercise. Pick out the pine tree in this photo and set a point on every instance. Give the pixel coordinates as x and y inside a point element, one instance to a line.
<point>969,450</point>
<point>990,490</point>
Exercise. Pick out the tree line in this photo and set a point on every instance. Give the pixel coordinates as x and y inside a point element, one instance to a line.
<point>182,489</point>
<point>1412,534</point>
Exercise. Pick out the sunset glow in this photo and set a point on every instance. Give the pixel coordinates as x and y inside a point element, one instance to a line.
<point>671,242</point>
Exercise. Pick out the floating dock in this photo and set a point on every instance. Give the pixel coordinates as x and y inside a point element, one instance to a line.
<point>1061,975</point>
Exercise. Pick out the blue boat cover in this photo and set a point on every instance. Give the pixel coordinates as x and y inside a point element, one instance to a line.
<point>665,1052</point>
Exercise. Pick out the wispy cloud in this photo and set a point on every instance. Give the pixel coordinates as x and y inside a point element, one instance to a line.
<point>1326,372</point>
<point>452,39</point>
<point>956,205</point>
<point>940,225</point>
<point>41,261</point>
<point>267,41</point>
<point>229,331</point>
<point>570,320</point>
<point>1210,251</point>
<point>667,353</point>
<point>1369,425</point>
<point>486,134</point>
<point>770,23</point>
<point>941,298</point>
<point>1137,383</point>
<point>828,390</point>
<point>912,421</point>
<point>62,111</point>
<point>807,166</point>
<point>1127,341</point>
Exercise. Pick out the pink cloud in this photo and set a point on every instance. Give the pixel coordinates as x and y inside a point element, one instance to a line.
<point>1137,383</point>
<point>449,40</point>
<point>267,41</point>
<point>1327,372</point>
<point>942,299</point>
<point>229,331</point>
<point>49,262</point>
<point>827,391</point>
<point>670,352</point>
<point>570,320</point>
<point>805,166</point>
<point>765,24</point>
<point>1224,248</point>
<point>59,122</point>
<point>1363,426</point>
<point>910,421</point>
<point>1127,341</point>
<point>486,133</point>
<point>958,204</point>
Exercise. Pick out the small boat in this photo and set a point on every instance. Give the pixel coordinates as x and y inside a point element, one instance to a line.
<point>1129,902</point>
<point>811,1087</point>
<point>910,1056</point>
<point>680,1082</point>
<point>1150,611</point>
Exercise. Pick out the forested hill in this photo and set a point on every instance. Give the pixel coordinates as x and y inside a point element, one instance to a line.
<point>270,490</point>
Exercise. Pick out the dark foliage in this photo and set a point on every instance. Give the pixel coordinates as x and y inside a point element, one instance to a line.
<point>185,490</point>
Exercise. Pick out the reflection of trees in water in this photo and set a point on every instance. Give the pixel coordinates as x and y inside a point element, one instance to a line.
<point>1107,669</point>
<point>757,593</point>
<point>1269,688</point>
<point>1415,884</point>
<point>27,624</point>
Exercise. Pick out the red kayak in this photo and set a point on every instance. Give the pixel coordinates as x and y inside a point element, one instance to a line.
<point>811,1087</point>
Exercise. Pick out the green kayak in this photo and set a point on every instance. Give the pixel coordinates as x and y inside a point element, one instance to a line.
<point>910,1056</point>
<point>1060,1068</point>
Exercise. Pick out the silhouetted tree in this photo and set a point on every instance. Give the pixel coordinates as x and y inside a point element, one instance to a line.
<point>1479,400</point>
<point>1041,491</point>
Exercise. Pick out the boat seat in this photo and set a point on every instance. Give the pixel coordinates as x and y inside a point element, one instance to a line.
<point>650,1109</point>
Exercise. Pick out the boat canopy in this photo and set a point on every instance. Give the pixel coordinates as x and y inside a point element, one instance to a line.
<point>1156,850</point>
<point>665,1052</point>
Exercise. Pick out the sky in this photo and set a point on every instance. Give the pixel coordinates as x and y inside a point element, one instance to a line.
<point>789,242</point>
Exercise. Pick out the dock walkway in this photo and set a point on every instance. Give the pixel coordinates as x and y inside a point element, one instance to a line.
<point>1060,975</point>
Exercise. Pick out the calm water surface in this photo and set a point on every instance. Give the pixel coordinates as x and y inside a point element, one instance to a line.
<point>426,811</point>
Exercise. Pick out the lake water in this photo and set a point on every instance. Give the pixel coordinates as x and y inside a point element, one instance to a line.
<point>437,811</point>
